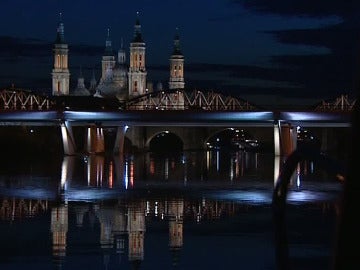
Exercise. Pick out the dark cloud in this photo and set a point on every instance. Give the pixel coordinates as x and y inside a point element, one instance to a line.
<point>28,62</point>
<point>11,47</point>
<point>16,48</point>
<point>334,38</point>
<point>310,8</point>
<point>322,74</point>
<point>338,69</point>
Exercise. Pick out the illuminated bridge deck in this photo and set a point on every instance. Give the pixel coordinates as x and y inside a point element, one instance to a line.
<point>182,118</point>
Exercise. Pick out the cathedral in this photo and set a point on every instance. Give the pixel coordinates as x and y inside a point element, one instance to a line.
<point>119,79</point>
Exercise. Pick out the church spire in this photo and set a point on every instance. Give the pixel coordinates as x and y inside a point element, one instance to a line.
<point>121,54</point>
<point>60,37</point>
<point>137,30</point>
<point>60,73</point>
<point>108,44</point>
<point>93,82</point>
<point>177,50</point>
<point>108,59</point>
<point>81,82</point>
<point>176,80</point>
<point>137,70</point>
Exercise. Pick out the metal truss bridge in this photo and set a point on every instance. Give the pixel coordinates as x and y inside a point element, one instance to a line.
<point>14,99</point>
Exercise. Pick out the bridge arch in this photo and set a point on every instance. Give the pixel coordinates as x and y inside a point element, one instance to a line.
<point>164,141</point>
<point>230,137</point>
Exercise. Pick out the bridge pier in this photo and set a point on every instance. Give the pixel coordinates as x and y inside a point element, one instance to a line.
<point>277,149</point>
<point>119,139</point>
<point>288,139</point>
<point>285,139</point>
<point>68,138</point>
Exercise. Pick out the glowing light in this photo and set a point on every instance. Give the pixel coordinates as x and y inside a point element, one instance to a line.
<point>156,209</point>
<point>147,207</point>
<point>64,173</point>
<point>132,174</point>
<point>276,168</point>
<point>89,173</point>
<point>277,139</point>
<point>126,175</point>
<point>111,174</point>
<point>166,170</point>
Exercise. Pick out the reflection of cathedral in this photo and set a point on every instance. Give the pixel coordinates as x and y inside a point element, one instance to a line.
<point>118,223</point>
<point>175,215</point>
<point>118,80</point>
<point>122,224</point>
<point>59,229</point>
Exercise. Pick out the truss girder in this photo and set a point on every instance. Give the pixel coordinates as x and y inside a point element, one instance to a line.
<point>182,100</point>
<point>22,100</point>
<point>342,103</point>
<point>17,99</point>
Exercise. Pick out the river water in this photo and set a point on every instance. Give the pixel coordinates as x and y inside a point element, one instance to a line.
<point>194,210</point>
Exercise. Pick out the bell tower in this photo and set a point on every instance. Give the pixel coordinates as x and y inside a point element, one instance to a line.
<point>176,80</point>
<point>60,73</point>
<point>108,59</point>
<point>137,71</point>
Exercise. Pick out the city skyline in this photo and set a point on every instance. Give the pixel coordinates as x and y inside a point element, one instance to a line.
<point>249,49</point>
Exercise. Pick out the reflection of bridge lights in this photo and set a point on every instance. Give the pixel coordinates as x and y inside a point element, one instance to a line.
<point>152,166</point>
<point>312,167</point>
<point>166,169</point>
<point>126,175</point>
<point>246,196</point>
<point>147,208</point>
<point>131,174</point>
<point>303,196</point>
<point>298,172</point>
<point>156,209</point>
<point>198,217</point>
<point>111,174</point>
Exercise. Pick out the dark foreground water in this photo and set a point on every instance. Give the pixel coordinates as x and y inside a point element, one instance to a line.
<point>198,210</point>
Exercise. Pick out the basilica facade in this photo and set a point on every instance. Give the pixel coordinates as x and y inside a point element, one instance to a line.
<point>120,78</point>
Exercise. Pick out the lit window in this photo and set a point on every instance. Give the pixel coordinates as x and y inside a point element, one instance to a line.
<point>57,64</point>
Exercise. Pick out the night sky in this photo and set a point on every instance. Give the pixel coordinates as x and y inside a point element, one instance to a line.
<point>263,51</point>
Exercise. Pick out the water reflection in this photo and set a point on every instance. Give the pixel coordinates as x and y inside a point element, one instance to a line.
<point>183,170</point>
<point>192,211</point>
